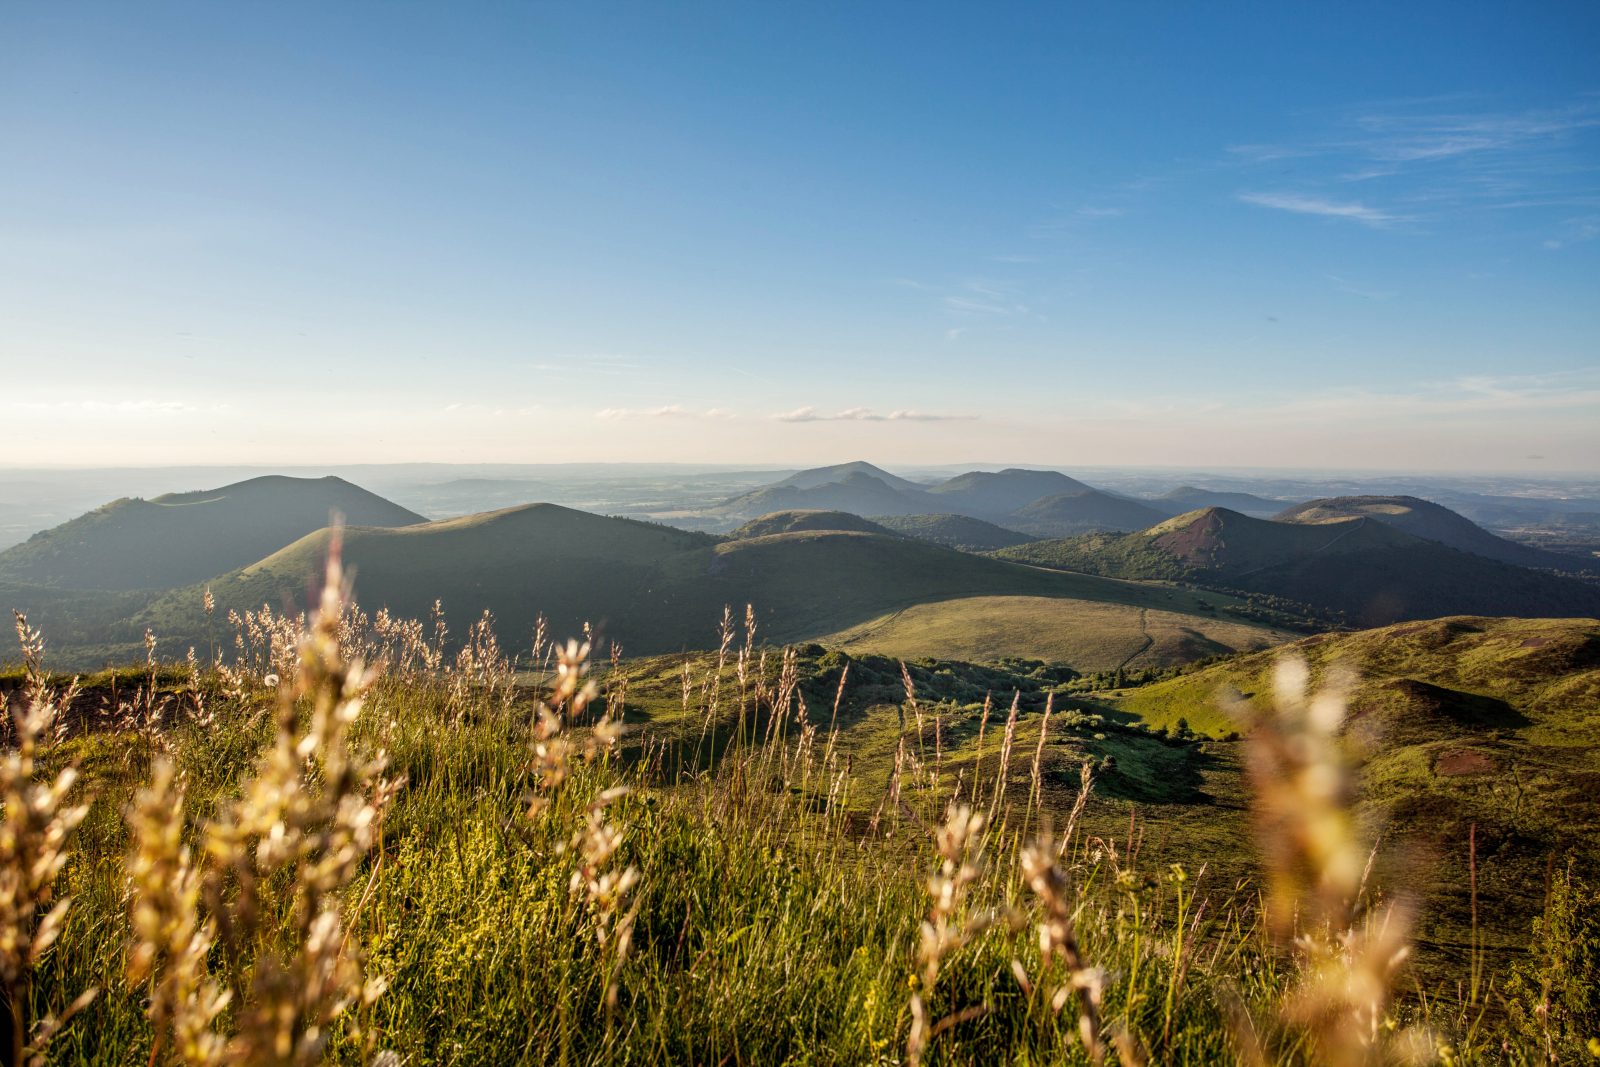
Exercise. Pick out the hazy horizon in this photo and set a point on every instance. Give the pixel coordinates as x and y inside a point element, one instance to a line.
<point>1103,236</point>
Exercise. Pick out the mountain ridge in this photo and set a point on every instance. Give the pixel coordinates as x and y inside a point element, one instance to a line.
<point>179,538</point>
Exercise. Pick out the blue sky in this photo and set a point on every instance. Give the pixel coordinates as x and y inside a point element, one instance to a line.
<point>1333,235</point>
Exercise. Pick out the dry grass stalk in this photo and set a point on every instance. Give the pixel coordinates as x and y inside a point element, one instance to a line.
<point>1316,866</point>
<point>553,746</point>
<point>605,886</point>
<point>304,823</point>
<point>959,842</point>
<point>1006,742</point>
<point>1036,776</point>
<point>171,942</point>
<point>36,828</point>
<point>1058,943</point>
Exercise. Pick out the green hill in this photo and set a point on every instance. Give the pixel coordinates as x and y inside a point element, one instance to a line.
<point>954,531</point>
<point>1083,511</point>
<point>1088,635</point>
<point>1430,521</point>
<point>819,476</point>
<point>994,493</point>
<point>1190,498</point>
<point>650,588</point>
<point>1366,570</point>
<point>1464,720</point>
<point>795,521</point>
<point>180,538</point>
<point>857,492</point>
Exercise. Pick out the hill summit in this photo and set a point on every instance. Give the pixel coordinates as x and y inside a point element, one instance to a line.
<point>993,493</point>
<point>1367,571</point>
<point>780,522</point>
<point>181,538</point>
<point>1429,521</point>
<point>813,477</point>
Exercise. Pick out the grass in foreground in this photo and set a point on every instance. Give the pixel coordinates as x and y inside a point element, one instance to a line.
<point>537,892</point>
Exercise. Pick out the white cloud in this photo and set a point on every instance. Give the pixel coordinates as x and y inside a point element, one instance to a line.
<point>1366,292</point>
<point>985,298</point>
<point>1313,205</point>
<point>858,414</point>
<point>665,411</point>
<point>1437,155</point>
<point>1576,231</point>
<point>1473,395</point>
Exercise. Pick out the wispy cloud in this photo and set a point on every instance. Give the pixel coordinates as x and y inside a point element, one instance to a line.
<point>1411,404</point>
<point>665,411</point>
<point>1473,395</point>
<point>1432,157</point>
<point>811,414</point>
<point>1408,136</point>
<point>1314,205</point>
<point>1576,231</point>
<point>1344,285</point>
<point>985,298</point>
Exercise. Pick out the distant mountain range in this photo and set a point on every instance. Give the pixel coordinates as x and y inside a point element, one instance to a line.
<point>1002,492</point>
<point>810,571</point>
<point>182,538</point>
<point>1430,521</point>
<point>1370,571</point>
<point>1039,503</point>
<point>653,588</point>
<point>816,477</point>
<point>855,491</point>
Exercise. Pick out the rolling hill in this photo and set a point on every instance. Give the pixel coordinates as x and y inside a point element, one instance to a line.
<point>652,588</point>
<point>1035,502</point>
<point>1461,721</point>
<point>1187,498</point>
<point>181,538</point>
<point>1090,636</point>
<point>990,494</point>
<point>1429,521</point>
<point>954,531</point>
<point>796,521</point>
<point>856,492</point>
<point>1368,571</point>
<point>814,477</point>
<point>1084,511</point>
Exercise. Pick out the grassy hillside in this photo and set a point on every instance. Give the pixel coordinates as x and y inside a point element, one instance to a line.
<point>1086,635</point>
<point>955,531</point>
<point>1430,521</point>
<point>651,588</point>
<point>1366,571</point>
<point>519,562</point>
<point>1191,498</point>
<point>1463,720</point>
<point>753,892</point>
<point>796,521</point>
<point>814,477</point>
<point>181,538</point>
<point>856,492</point>
<point>994,493</point>
<point>1084,510</point>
